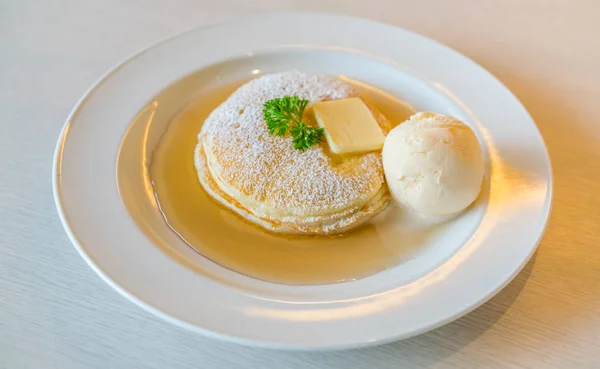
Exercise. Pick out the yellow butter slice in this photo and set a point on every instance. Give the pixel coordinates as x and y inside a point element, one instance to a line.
<point>349,126</point>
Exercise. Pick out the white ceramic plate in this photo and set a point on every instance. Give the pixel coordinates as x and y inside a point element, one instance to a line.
<point>118,231</point>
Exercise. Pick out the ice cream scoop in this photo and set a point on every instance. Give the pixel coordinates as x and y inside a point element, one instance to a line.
<point>433,164</point>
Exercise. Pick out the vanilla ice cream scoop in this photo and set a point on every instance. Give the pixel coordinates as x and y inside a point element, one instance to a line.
<point>433,164</point>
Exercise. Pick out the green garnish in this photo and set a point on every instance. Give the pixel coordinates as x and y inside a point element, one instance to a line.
<point>283,112</point>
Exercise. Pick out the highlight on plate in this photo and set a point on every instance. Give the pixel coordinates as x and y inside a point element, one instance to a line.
<point>298,154</point>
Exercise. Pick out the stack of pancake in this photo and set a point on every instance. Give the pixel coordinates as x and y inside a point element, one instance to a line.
<point>265,180</point>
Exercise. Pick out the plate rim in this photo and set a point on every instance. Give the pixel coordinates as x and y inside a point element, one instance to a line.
<point>56,173</point>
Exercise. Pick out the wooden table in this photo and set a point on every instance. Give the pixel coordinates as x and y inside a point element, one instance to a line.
<point>56,313</point>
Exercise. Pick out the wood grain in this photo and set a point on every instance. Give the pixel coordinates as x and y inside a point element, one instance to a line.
<point>55,313</point>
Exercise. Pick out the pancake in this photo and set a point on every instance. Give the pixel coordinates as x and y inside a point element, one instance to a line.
<point>265,180</point>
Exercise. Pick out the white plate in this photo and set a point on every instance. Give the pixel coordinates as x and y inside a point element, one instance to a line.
<point>118,231</point>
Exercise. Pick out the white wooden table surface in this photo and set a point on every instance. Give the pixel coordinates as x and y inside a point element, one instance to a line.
<point>56,313</point>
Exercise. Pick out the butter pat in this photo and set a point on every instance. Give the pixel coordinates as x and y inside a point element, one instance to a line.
<point>349,126</point>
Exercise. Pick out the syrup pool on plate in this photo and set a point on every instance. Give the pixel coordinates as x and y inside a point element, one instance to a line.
<point>248,249</point>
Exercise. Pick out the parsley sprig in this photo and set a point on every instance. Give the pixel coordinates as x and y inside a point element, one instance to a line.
<point>284,114</point>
